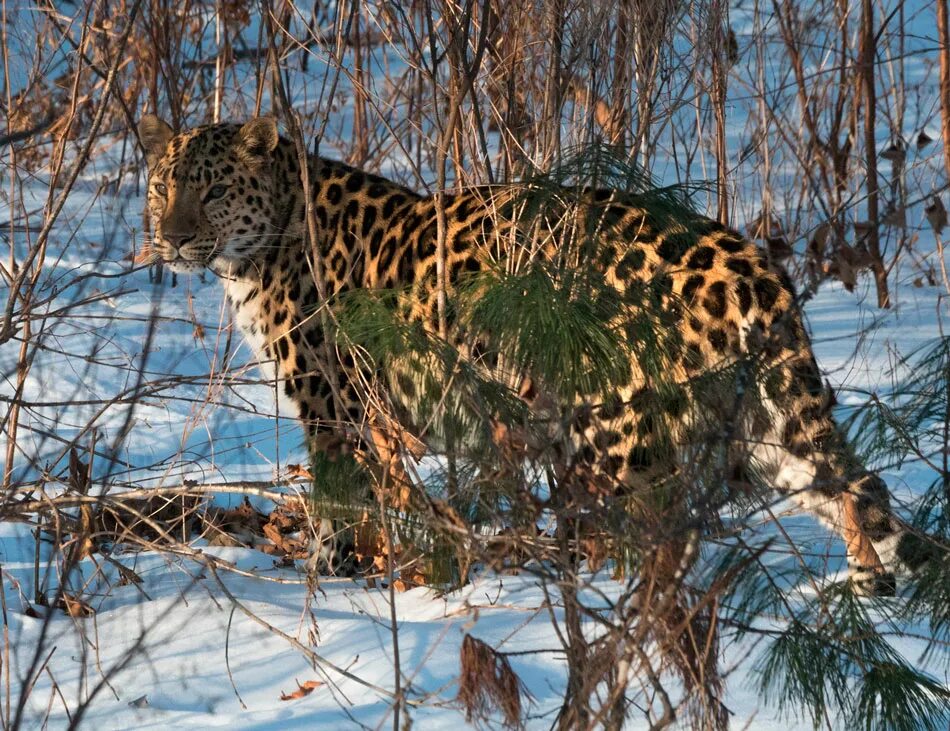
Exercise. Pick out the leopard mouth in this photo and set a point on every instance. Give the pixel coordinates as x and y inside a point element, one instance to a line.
<point>176,262</point>
<point>186,260</point>
<point>184,266</point>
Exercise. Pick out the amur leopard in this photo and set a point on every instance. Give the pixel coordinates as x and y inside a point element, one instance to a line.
<point>229,198</point>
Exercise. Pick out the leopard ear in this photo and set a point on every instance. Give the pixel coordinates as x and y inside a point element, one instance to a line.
<point>257,139</point>
<point>154,135</point>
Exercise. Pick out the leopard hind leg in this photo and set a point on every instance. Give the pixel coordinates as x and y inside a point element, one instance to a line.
<point>804,455</point>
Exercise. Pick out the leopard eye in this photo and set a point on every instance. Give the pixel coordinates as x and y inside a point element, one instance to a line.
<point>216,192</point>
<point>161,189</point>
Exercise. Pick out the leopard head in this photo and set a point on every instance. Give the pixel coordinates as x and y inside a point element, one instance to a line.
<point>211,193</point>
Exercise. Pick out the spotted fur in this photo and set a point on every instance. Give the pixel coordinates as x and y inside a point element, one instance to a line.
<point>229,198</point>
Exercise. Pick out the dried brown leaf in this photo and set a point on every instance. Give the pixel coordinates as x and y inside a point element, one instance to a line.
<point>732,48</point>
<point>298,471</point>
<point>272,533</point>
<point>596,551</point>
<point>409,578</point>
<point>284,521</point>
<point>839,269</point>
<point>862,229</point>
<point>755,229</point>
<point>778,248</point>
<point>78,473</point>
<point>896,217</point>
<point>120,522</point>
<point>241,525</point>
<point>86,545</point>
<point>244,518</point>
<point>894,153</point>
<point>126,575</point>
<point>74,606</point>
<point>303,689</point>
<point>488,683</point>
<point>818,243</point>
<point>936,215</point>
<point>224,540</point>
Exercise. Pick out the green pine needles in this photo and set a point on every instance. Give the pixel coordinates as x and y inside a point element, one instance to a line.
<point>557,319</point>
<point>556,323</point>
<point>911,428</point>
<point>832,662</point>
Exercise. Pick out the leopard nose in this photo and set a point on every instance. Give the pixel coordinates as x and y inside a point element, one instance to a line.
<point>177,239</point>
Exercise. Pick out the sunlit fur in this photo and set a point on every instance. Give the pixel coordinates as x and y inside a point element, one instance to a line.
<point>719,296</point>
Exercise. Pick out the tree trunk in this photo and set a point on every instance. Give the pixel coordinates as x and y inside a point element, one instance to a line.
<point>870,102</point>
<point>943,37</point>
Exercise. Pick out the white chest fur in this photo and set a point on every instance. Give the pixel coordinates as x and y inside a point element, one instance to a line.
<point>246,305</point>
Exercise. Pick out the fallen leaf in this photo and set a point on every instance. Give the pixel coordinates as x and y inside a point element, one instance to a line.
<point>303,689</point>
<point>272,533</point>
<point>409,578</point>
<point>281,520</point>
<point>121,523</point>
<point>243,522</point>
<point>127,575</point>
<point>75,607</point>
<point>299,471</point>
<point>224,540</point>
